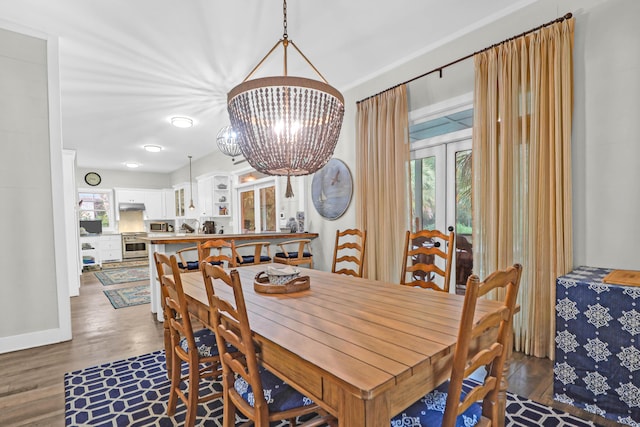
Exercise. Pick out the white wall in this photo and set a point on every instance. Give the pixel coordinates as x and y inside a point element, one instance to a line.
<point>606,126</point>
<point>126,179</point>
<point>33,257</point>
<point>606,138</point>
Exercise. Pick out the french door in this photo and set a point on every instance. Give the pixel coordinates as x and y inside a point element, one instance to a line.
<point>257,207</point>
<point>441,197</point>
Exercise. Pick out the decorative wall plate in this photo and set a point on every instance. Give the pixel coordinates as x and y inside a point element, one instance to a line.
<point>331,189</point>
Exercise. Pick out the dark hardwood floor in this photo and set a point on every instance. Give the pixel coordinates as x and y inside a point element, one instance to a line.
<point>31,381</point>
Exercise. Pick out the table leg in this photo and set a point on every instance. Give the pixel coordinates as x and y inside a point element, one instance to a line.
<point>356,412</point>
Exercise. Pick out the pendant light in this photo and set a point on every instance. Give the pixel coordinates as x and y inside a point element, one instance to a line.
<point>286,125</point>
<point>227,142</point>
<point>191,205</point>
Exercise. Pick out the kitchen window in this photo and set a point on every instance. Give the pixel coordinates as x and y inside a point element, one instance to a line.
<point>96,205</point>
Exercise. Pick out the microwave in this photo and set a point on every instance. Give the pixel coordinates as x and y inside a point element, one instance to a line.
<point>159,226</point>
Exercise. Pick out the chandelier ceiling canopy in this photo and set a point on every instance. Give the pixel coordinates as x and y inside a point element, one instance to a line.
<point>286,125</point>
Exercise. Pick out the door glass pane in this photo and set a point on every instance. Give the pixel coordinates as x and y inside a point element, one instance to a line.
<point>464,253</point>
<point>268,208</point>
<point>423,189</point>
<point>247,214</point>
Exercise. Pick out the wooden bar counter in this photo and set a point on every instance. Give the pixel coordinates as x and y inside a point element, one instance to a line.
<point>169,243</point>
<point>193,238</point>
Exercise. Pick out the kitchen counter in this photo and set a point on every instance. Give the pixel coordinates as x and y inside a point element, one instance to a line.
<point>170,238</point>
<point>169,243</point>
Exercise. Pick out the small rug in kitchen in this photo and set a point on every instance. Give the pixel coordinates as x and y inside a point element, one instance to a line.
<point>115,276</point>
<point>135,392</point>
<point>130,296</point>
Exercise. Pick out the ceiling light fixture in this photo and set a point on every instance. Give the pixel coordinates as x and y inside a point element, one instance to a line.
<point>132,165</point>
<point>286,125</point>
<point>191,205</point>
<point>227,141</point>
<point>181,122</point>
<point>153,148</point>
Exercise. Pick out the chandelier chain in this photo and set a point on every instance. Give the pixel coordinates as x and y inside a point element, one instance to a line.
<point>285,35</point>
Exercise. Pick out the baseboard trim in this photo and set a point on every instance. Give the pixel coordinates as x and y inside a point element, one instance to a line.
<point>33,339</point>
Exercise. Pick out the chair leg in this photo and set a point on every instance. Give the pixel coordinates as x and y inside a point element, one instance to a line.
<point>194,388</point>
<point>168,350</point>
<point>228,412</point>
<point>175,384</point>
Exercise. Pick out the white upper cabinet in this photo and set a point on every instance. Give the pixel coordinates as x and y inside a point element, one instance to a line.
<point>152,199</point>
<point>154,205</point>
<point>205,196</point>
<point>129,196</point>
<point>183,197</point>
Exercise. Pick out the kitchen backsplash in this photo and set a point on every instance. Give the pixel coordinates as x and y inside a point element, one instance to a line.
<point>131,221</point>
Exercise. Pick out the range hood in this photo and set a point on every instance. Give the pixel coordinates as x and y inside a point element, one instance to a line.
<point>131,206</point>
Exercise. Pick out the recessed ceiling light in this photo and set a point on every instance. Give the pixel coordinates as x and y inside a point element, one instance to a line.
<point>132,165</point>
<point>153,148</point>
<point>181,122</point>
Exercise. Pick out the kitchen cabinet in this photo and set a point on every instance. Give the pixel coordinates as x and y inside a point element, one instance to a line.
<point>169,203</point>
<point>130,195</point>
<point>221,195</point>
<point>152,199</point>
<point>154,205</point>
<point>90,250</point>
<point>183,197</point>
<point>205,196</point>
<point>110,247</point>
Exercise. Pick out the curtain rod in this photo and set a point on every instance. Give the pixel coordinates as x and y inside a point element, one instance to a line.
<point>562,18</point>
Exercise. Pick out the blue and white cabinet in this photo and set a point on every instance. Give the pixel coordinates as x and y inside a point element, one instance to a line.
<point>597,366</point>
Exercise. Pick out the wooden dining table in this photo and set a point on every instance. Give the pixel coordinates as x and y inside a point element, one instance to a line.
<point>364,350</point>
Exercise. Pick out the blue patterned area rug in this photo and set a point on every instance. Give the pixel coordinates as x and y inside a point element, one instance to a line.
<point>115,276</point>
<point>127,297</point>
<point>134,392</point>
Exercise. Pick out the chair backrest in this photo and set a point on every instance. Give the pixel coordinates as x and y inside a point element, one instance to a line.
<point>217,251</point>
<point>492,355</point>
<point>175,301</point>
<point>256,256</point>
<point>186,264</point>
<point>163,266</point>
<point>301,246</point>
<point>419,260</point>
<point>348,252</point>
<point>231,325</point>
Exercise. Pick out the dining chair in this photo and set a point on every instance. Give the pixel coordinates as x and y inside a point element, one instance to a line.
<point>163,266</point>
<point>348,252</point>
<point>257,255</point>
<point>217,252</point>
<point>302,254</point>
<point>186,264</point>
<point>241,373</point>
<point>459,401</point>
<point>198,349</point>
<point>423,251</point>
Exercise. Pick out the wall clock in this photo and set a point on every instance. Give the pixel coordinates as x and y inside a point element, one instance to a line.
<point>331,189</point>
<point>92,178</point>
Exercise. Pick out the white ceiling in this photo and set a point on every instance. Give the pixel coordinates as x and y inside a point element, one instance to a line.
<point>127,66</point>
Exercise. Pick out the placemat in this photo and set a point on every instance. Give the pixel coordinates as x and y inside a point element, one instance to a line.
<point>623,277</point>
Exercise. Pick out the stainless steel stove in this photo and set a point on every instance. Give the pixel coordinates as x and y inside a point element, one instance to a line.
<point>133,246</point>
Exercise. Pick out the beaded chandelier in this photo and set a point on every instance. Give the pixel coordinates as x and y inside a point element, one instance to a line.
<point>286,125</point>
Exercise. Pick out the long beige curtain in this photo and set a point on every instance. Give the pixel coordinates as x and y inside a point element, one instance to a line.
<point>522,172</point>
<point>382,156</point>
